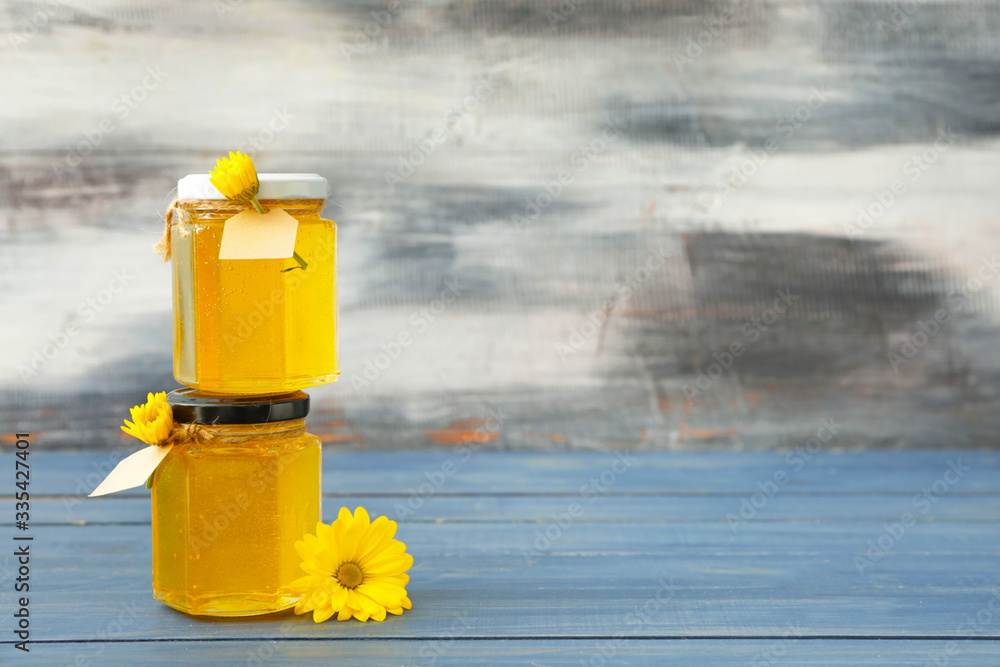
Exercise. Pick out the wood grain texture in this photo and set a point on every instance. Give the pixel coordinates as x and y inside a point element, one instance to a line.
<point>651,473</point>
<point>135,95</point>
<point>543,652</point>
<point>646,574</point>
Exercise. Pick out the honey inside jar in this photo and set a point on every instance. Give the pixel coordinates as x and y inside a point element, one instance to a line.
<point>253,326</point>
<point>228,506</point>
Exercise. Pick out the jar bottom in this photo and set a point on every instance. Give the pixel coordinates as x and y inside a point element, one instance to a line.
<point>227,605</point>
<point>258,387</point>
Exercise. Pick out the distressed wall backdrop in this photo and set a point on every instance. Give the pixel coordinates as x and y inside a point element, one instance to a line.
<point>620,194</point>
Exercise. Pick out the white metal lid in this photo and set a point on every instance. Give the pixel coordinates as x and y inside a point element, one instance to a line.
<point>272,186</point>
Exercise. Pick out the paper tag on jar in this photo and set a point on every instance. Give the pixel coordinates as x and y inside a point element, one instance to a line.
<point>250,235</point>
<point>132,471</point>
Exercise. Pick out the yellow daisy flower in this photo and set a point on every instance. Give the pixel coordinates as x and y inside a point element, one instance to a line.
<point>236,179</point>
<point>355,569</point>
<point>152,421</point>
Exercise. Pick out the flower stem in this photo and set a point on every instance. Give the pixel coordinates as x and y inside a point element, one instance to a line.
<point>301,263</point>
<point>256,205</point>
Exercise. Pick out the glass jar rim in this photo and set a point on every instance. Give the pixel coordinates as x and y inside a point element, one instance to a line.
<point>272,186</point>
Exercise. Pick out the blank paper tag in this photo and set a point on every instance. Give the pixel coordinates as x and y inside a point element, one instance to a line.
<point>132,471</point>
<point>250,235</point>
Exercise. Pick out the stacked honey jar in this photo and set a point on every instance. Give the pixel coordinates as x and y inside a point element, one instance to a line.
<point>250,333</point>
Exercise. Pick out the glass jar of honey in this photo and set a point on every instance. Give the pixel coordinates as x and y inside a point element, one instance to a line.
<point>254,326</point>
<point>239,488</point>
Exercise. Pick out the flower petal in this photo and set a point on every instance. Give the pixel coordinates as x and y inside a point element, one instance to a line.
<point>302,584</point>
<point>389,564</point>
<point>321,615</point>
<point>339,597</point>
<point>304,550</point>
<point>366,602</point>
<point>379,535</point>
<point>400,580</point>
<point>384,595</point>
<point>351,540</point>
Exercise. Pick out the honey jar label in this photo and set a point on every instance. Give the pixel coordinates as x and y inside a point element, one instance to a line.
<point>133,470</point>
<point>250,235</point>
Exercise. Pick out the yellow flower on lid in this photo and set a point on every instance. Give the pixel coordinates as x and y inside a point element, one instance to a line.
<point>236,178</point>
<point>355,569</point>
<point>152,421</point>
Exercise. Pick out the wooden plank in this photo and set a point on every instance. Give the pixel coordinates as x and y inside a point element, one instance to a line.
<point>659,473</point>
<point>611,507</point>
<point>654,565</point>
<point>575,652</point>
<point>589,582</point>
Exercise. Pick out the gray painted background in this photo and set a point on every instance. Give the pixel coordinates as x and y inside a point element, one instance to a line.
<point>647,110</point>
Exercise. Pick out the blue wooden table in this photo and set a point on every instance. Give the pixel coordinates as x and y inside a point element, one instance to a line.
<point>594,558</point>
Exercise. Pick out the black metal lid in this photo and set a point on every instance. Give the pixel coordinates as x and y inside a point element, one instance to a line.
<point>191,406</point>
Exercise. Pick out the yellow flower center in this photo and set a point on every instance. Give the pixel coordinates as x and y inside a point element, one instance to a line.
<point>349,575</point>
